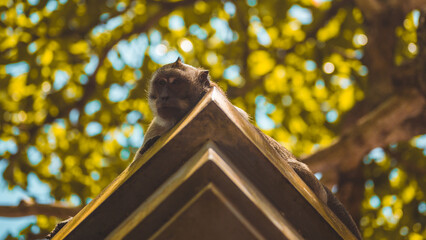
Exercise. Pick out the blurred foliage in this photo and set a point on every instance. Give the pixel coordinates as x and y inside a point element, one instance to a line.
<point>74,73</point>
<point>394,203</point>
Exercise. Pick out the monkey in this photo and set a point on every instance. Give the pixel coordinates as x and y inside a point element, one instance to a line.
<point>175,88</point>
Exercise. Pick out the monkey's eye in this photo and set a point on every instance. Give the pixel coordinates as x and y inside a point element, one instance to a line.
<point>161,82</point>
<point>176,81</point>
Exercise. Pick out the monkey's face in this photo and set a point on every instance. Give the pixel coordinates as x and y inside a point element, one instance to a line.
<point>169,98</point>
<point>175,89</point>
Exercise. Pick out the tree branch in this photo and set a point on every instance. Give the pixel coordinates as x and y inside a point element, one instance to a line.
<point>421,57</point>
<point>27,208</point>
<point>410,5</point>
<point>397,119</point>
<point>369,7</point>
<point>380,26</point>
<point>406,165</point>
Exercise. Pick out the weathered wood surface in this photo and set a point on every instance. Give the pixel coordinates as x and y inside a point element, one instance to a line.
<point>214,119</point>
<point>205,217</point>
<point>207,169</point>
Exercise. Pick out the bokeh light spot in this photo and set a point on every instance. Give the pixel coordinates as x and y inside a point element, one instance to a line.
<point>304,15</point>
<point>394,173</point>
<point>51,5</point>
<point>318,175</point>
<point>375,202</point>
<point>176,23</point>
<point>74,115</point>
<point>186,45</point>
<point>33,2</point>
<point>95,175</point>
<point>412,48</point>
<point>328,67</point>
<point>124,154</point>
<point>369,184</point>
<point>118,93</point>
<point>310,65</point>
<point>263,108</point>
<point>404,231</point>
<point>332,116</point>
<point>61,79</point>
<point>92,107</point>
<point>360,39</point>
<point>75,200</point>
<point>422,208</point>
<point>93,128</point>
<point>55,165</point>
<point>91,66</point>
<point>17,69</point>
<point>286,100</point>
<point>230,8</point>
<point>133,117</point>
<point>34,155</point>
<point>200,33</point>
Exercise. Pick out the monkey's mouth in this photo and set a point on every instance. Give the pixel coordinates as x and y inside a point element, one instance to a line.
<point>167,104</point>
<point>170,112</point>
<point>168,108</point>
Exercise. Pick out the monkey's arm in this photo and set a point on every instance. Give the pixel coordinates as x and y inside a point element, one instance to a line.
<point>155,129</point>
<point>147,145</point>
<point>154,132</point>
<point>58,227</point>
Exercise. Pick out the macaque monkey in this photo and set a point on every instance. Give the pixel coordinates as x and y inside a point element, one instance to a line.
<point>176,88</point>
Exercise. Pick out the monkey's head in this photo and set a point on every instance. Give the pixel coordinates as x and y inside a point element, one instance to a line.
<point>175,88</point>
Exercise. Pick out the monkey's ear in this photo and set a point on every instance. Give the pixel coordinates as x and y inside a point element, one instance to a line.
<point>177,63</point>
<point>204,78</point>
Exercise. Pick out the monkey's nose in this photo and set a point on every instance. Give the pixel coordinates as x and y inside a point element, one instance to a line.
<point>165,98</point>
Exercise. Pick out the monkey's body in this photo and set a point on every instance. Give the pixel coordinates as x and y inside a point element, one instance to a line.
<point>196,84</point>
<point>176,88</point>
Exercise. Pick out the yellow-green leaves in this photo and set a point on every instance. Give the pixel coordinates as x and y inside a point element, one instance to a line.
<point>332,29</point>
<point>260,63</point>
<point>79,47</point>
